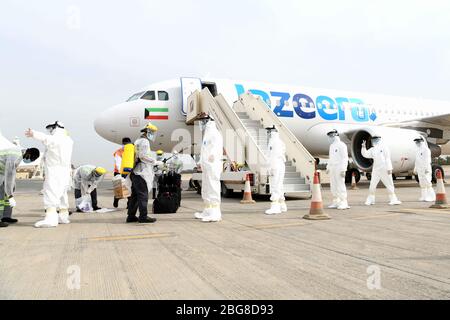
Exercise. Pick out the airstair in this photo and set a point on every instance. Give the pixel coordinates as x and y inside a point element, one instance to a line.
<point>245,142</point>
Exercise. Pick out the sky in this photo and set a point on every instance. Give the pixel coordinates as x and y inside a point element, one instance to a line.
<point>70,60</point>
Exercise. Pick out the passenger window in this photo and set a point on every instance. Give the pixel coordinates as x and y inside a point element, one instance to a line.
<point>149,95</point>
<point>163,96</point>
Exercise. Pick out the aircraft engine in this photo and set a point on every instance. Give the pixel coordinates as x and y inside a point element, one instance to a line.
<point>399,141</point>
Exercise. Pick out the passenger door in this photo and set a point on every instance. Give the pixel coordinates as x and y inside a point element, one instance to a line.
<point>188,86</point>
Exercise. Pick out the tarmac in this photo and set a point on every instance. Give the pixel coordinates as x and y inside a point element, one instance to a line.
<point>377,252</point>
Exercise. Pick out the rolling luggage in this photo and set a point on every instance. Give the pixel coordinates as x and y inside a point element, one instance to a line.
<point>169,193</point>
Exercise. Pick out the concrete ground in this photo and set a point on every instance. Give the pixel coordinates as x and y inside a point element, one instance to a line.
<point>378,252</point>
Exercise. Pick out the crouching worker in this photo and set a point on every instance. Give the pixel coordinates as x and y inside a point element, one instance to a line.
<point>10,157</point>
<point>85,181</point>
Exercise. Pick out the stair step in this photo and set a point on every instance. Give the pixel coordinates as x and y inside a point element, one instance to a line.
<point>292,175</point>
<point>295,180</point>
<point>295,187</point>
<point>290,169</point>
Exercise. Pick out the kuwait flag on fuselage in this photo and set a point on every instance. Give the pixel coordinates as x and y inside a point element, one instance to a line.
<point>157,113</point>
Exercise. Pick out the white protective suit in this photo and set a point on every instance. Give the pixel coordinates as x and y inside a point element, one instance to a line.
<point>211,163</point>
<point>423,170</point>
<point>277,164</point>
<point>382,170</point>
<point>337,167</point>
<point>144,161</point>
<point>85,180</point>
<point>57,168</point>
<point>10,158</point>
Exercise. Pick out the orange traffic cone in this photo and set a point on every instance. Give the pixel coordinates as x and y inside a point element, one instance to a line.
<point>316,210</point>
<point>354,187</point>
<point>247,198</point>
<point>441,197</point>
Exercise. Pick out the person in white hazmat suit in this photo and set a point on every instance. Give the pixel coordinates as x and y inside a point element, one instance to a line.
<point>211,164</point>
<point>277,164</point>
<point>57,167</point>
<point>422,169</point>
<point>381,170</point>
<point>336,168</point>
<point>142,176</point>
<point>11,155</point>
<point>85,182</point>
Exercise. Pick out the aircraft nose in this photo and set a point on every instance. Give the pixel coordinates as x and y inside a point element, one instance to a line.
<point>103,125</point>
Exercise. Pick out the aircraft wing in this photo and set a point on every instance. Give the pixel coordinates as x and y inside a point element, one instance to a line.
<point>437,127</point>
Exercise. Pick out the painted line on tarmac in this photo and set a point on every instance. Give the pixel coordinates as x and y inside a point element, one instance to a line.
<point>376,216</point>
<point>133,237</point>
<point>425,210</point>
<point>277,225</point>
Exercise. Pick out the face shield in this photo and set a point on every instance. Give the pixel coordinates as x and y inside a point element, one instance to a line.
<point>332,138</point>
<point>202,124</point>
<point>50,129</point>
<point>376,141</point>
<point>151,136</point>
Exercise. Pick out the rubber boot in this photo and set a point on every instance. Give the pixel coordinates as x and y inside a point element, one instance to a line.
<point>50,221</point>
<point>430,195</point>
<point>370,200</point>
<point>393,200</point>
<point>335,204</point>
<point>63,216</point>
<point>343,205</point>
<point>423,194</point>
<point>283,206</point>
<point>215,215</point>
<point>203,214</point>
<point>275,208</point>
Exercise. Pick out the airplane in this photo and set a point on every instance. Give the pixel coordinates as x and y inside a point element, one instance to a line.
<point>308,112</point>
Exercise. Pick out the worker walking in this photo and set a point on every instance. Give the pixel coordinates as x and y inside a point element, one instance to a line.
<point>85,182</point>
<point>277,165</point>
<point>422,169</point>
<point>337,168</point>
<point>57,167</point>
<point>142,176</point>
<point>381,170</point>
<point>211,165</point>
<point>118,163</point>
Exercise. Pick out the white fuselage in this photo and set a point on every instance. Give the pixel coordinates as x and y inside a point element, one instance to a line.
<point>308,112</point>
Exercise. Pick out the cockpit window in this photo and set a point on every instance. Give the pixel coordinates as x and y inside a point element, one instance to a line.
<point>163,96</point>
<point>135,96</point>
<point>149,95</point>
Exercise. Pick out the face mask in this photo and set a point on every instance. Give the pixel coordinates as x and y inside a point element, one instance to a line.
<point>418,144</point>
<point>26,158</point>
<point>150,136</point>
<point>331,139</point>
<point>203,124</point>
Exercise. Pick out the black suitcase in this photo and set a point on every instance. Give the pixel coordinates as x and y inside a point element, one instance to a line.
<point>166,203</point>
<point>169,193</point>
